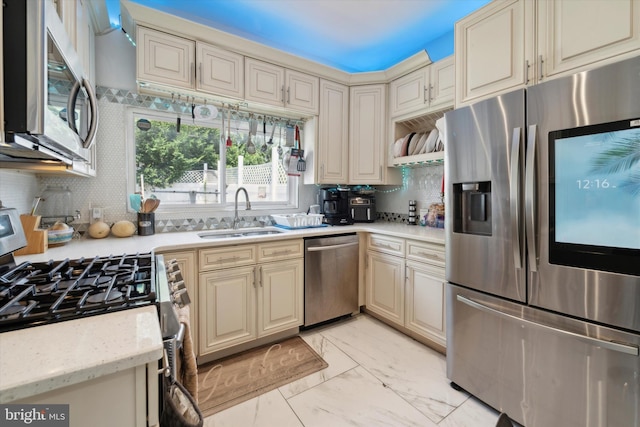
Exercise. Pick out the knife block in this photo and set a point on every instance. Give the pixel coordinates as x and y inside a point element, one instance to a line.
<point>37,239</point>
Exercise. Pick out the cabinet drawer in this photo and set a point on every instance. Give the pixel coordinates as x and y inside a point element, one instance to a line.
<point>426,252</point>
<point>280,250</point>
<point>387,244</point>
<point>228,256</point>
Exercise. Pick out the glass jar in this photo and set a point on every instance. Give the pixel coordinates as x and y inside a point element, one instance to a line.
<point>56,201</point>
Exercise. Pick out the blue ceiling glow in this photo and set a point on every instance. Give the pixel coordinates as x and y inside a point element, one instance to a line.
<point>113,10</point>
<point>441,47</point>
<point>423,25</point>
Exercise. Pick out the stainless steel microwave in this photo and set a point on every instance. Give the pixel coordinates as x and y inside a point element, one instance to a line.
<point>50,107</point>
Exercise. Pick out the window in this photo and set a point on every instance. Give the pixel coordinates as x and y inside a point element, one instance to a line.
<point>196,164</point>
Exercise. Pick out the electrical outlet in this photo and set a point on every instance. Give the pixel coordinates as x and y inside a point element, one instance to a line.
<point>96,214</point>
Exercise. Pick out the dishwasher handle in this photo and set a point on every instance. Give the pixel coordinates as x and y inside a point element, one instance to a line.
<point>328,248</point>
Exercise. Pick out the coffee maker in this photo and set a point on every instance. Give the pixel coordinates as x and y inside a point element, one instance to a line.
<point>334,205</point>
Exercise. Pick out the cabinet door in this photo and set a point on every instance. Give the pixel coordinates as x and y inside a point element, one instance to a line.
<point>424,302</point>
<point>220,72</point>
<point>187,262</point>
<point>571,35</point>
<point>280,296</point>
<point>409,93</point>
<point>442,83</point>
<point>385,286</point>
<point>494,49</point>
<point>165,59</point>
<point>302,92</point>
<point>227,307</point>
<point>367,119</point>
<point>333,134</point>
<point>264,82</point>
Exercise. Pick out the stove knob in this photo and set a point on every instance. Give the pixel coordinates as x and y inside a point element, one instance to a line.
<point>178,285</point>
<point>181,298</point>
<point>175,277</point>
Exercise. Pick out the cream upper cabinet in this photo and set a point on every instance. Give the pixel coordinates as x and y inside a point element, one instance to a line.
<point>573,34</point>
<point>219,71</point>
<point>442,77</point>
<point>333,134</point>
<point>165,59</point>
<point>514,43</point>
<point>177,62</point>
<point>367,125</point>
<point>264,82</point>
<point>301,92</point>
<point>426,89</point>
<point>273,85</point>
<point>493,49</point>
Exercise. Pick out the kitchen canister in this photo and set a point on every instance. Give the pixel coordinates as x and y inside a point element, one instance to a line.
<point>146,223</point>
<point>412,212</point>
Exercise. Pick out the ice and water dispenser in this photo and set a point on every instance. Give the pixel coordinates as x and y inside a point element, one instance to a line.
<point>472,208</point>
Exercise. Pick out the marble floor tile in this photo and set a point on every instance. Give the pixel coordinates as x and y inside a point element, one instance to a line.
<point>472,413</point>
<point>338,362</point>
<point>376,377</point>
<point>414,371</point>
<point>267,410</point>
<point>355,398</point>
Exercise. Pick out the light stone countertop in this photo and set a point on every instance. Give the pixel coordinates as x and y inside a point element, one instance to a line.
<point>43,358</point>
<point>166,242</point>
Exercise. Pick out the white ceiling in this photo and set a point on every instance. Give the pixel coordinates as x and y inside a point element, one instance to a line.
<point>350,35</point>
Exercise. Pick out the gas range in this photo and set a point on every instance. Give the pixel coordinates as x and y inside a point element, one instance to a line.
<point>38,293</point>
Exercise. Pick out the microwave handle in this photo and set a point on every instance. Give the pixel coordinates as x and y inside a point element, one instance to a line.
<point>93,105</point>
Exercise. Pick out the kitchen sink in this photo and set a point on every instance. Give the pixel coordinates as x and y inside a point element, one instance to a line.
<point>242,232</point>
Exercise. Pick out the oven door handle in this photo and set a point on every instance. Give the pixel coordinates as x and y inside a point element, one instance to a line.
<point>180,335</point>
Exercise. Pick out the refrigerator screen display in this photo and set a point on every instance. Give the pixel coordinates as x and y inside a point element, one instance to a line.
<point>595,193</point>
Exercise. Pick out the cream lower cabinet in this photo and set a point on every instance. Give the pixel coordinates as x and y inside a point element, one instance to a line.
<point>132,396</point>
<point>385,265</point>
<point>262,296</point>
<point>424,297</point>
<point>405,286</point>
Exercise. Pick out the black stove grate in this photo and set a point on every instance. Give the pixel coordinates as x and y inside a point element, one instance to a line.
<point>33,294</point>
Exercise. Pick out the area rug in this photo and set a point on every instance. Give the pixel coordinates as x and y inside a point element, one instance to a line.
<point>234,379</point>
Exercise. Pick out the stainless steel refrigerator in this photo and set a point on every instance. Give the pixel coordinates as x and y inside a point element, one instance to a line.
<point>543,249</point>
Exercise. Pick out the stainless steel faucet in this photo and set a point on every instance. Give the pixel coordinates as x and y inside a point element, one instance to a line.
<point>236,218</point>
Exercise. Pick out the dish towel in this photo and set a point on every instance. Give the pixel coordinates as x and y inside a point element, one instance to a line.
<point>189,374</point>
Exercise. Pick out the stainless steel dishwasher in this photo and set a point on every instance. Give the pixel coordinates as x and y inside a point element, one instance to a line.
<point>330,277</point>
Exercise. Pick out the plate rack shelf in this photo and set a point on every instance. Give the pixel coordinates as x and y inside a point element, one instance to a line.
<point>422,123</point>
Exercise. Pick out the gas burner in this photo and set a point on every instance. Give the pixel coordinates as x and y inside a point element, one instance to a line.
<point>103,297</point>
<point>33,294</point>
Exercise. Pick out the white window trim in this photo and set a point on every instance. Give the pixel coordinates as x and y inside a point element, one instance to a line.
<point>261,208</point>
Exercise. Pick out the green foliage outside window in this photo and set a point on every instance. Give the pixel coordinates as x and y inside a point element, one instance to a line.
<point>163,155</point>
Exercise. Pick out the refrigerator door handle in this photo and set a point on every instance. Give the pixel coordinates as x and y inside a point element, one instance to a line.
<point>530,188</point>
<point>609,345</point>
<point>514,196</point>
